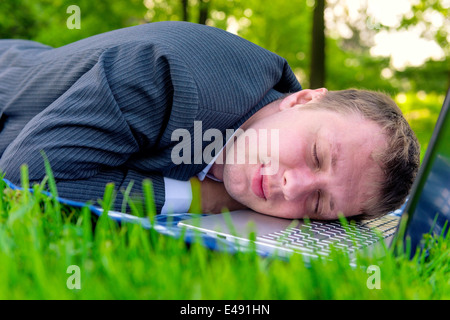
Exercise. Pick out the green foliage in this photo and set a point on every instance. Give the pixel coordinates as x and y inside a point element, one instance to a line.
<point>422,13</point>
<point>356,70</point>
<point>17,20</point>
<point>40,240</point>
<point>434,76</point>
<point>45,20</point>
<point>282,26</point>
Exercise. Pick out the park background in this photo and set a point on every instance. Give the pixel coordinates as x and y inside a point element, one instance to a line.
<point>399,47</point>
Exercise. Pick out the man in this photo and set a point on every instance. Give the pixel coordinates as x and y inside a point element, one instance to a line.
<point>346,152</point>
<point>105,109</point>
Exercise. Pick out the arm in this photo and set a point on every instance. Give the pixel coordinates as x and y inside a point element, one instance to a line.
<point>87,139</point>
<point>212,197</point>
<point>112,124</point>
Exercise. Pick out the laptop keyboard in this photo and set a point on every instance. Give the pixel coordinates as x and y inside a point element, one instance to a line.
<point>317,236</point>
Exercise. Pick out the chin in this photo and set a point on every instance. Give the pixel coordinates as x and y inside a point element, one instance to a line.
<point>235,183</point>
<point>242,197</point>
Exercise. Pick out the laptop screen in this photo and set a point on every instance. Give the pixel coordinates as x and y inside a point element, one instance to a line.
<point>429,205</point>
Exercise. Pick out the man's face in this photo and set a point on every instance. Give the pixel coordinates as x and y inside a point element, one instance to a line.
<point>323,161</point>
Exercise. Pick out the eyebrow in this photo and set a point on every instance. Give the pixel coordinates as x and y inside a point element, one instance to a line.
<point>334,160</point>
<point>334,156</point>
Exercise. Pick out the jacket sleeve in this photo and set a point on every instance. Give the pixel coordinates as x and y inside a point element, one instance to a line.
<point>89,138</point>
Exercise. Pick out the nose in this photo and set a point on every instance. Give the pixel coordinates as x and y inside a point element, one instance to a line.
<point>300,182</point>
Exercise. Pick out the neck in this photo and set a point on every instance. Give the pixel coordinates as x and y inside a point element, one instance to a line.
<point>217,171</point>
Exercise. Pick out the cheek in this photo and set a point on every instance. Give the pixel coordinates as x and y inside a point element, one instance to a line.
<point>294,145</point>
<point>292,211</point>
<point>234,179</point>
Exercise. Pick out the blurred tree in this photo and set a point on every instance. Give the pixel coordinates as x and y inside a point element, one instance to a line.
<point>432,17</point>
<point>294,29</point>
<point>317,68</point>
<point>354,28</point>
<point>17,20</point>
<point>203,11</point>
<point>45,20</point>
<point>203,7</point>
<point>284,26</point>
<point>349,63</point>
<point>185,9</point>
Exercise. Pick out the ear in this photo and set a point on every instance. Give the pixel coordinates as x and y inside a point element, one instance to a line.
<point>302,97</point>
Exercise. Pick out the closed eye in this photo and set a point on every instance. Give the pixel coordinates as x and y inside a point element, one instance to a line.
<point>317,203</point>
<point>316,158</point>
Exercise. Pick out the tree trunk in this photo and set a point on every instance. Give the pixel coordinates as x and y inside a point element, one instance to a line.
<point>185,5</point>
<point>317,71</point>
<point>203,11</point>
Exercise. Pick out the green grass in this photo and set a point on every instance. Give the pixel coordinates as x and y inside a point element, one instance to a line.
<point>40,239</point>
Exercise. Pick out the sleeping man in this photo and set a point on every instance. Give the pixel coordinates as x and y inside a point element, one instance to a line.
<point>147,102</point>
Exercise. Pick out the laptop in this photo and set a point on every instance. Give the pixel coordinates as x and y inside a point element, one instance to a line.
<point>426,211</point>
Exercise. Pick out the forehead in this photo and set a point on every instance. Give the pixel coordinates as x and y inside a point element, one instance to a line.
<point>347,132</point>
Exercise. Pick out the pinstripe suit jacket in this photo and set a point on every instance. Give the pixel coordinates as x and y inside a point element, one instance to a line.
<point>104,108</point>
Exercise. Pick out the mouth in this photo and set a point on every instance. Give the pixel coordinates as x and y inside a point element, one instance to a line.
<point>257,184</point>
